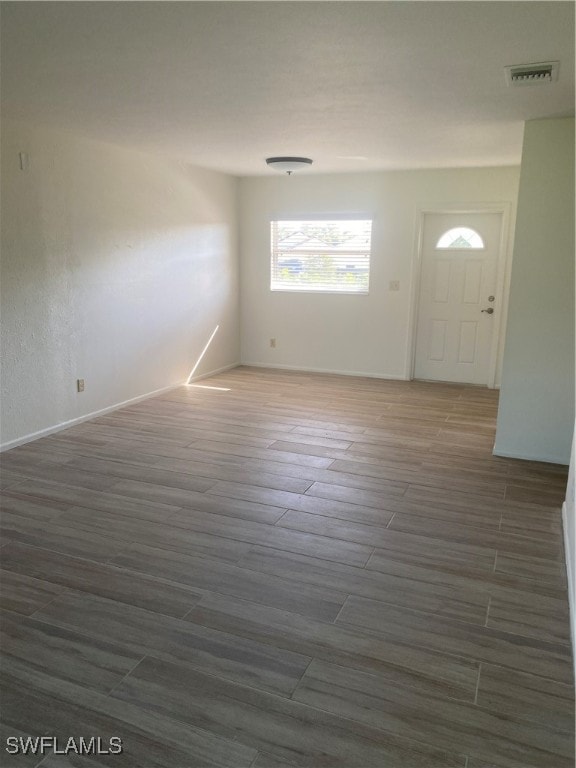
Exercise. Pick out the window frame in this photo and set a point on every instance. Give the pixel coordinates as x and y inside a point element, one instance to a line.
<point>296,253</point>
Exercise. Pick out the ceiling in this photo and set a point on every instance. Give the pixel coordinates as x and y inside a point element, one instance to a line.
<point>356,86</point>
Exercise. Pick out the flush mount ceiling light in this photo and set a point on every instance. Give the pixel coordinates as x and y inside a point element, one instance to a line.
<point>288,164</point>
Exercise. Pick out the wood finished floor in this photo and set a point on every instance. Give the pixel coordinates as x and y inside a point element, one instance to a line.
<point>279,569</point>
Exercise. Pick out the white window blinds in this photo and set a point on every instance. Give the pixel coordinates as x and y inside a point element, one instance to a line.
<point>328,255</point>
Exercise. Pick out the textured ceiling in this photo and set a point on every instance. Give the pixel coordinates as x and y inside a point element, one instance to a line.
<point>354,85</point>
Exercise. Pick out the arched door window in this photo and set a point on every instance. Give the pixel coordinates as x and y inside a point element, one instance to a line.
<point>460,237</point>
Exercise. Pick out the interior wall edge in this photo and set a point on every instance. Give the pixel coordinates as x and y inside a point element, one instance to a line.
<point>570,577</point>
<point>216,371</point>
<point>368,375</point>
<point>546,458</point>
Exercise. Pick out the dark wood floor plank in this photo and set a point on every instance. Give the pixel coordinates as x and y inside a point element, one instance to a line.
<point>443,599</point>
<point>20,504</point>
<point>277,537</point>
<point>453,499</point>
<point>60,537</point>
<point>540,570</point>
<point>145,474</point>
<point>464,560</point>
<point>363,697</point>
<point>203,473</point>
<point>143,633</point>
<point>527,696</point>
<point>269,761</point>
<point>125,530</point>
<point>446,479</point>
<point>416,667</point>
<point>391,488</point>
<point>378,500</point>
<point>541,617</point>
<point>238,475</point>
<point>467,559</point>
<point>484,644</point>
<point>535,524</point>
<point>282,499</point>
<point>505,542</point>
<point>25,594</point>
<point>259,453</point>
<point>9,479</point>
<point>355,513</point>
<point>179,498</point>
<point>519,492</point>
<point>524,595</point>
<point>330,449</point>
<point>37,703</point>
<point>283,728</point>
<point>38,470</point>
<point>60,571</point>
<point>203,573</point>
<point>377,437</point>
<point>92,662</point>
<point>58,495</point>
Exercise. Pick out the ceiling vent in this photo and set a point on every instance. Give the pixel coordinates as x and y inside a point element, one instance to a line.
<point>532,74</point>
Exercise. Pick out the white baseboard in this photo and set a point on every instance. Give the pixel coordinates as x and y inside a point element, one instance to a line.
<point>214,372</point>
<point>303,369</point>
<point>531,457</point>
<point>93,414</point>
<point>568,549</point>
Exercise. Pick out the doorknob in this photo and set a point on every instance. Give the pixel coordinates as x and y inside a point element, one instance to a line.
<point>488,311</point>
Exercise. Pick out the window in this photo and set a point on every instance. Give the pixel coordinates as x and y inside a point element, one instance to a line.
<point>460,237</point>
<point>331,255</point>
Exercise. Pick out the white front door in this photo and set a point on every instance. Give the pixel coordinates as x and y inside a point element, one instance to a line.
<point>456,310</point>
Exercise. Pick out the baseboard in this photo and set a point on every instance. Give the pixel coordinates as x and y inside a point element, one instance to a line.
<point>571,587</point>
<point>214,372</point>
<point>363,374</point>
<point>531,457</point>
<point>94,414</point>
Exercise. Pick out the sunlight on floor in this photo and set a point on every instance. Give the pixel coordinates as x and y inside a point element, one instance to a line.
<point>206,386</point>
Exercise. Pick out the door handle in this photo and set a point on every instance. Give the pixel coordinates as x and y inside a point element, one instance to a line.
<point>489,311</point>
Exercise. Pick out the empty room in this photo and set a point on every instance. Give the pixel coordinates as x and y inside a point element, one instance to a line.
<point>287,366</point>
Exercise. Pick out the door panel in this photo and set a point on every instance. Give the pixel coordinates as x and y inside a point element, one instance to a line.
<point>472,282</point>
<point>437,340</point>
<point>467,352</point>
<point>442,281</point>
<point>454,336</point>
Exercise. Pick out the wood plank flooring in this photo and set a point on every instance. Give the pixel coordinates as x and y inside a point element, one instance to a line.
<point>273,569</point>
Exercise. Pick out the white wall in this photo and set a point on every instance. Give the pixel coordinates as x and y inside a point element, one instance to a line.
<point>536,412</point>
<point>362,334</point>
<point>116,268</point>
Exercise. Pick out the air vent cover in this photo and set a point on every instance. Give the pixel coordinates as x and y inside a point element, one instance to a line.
<point>532,74</point>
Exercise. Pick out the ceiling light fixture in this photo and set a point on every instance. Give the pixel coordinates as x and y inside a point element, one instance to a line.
<point>288,164</point>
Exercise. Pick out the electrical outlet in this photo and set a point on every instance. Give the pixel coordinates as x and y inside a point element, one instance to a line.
<point>80,385</point>
<point>394,285</point>
<point>273,343</point>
